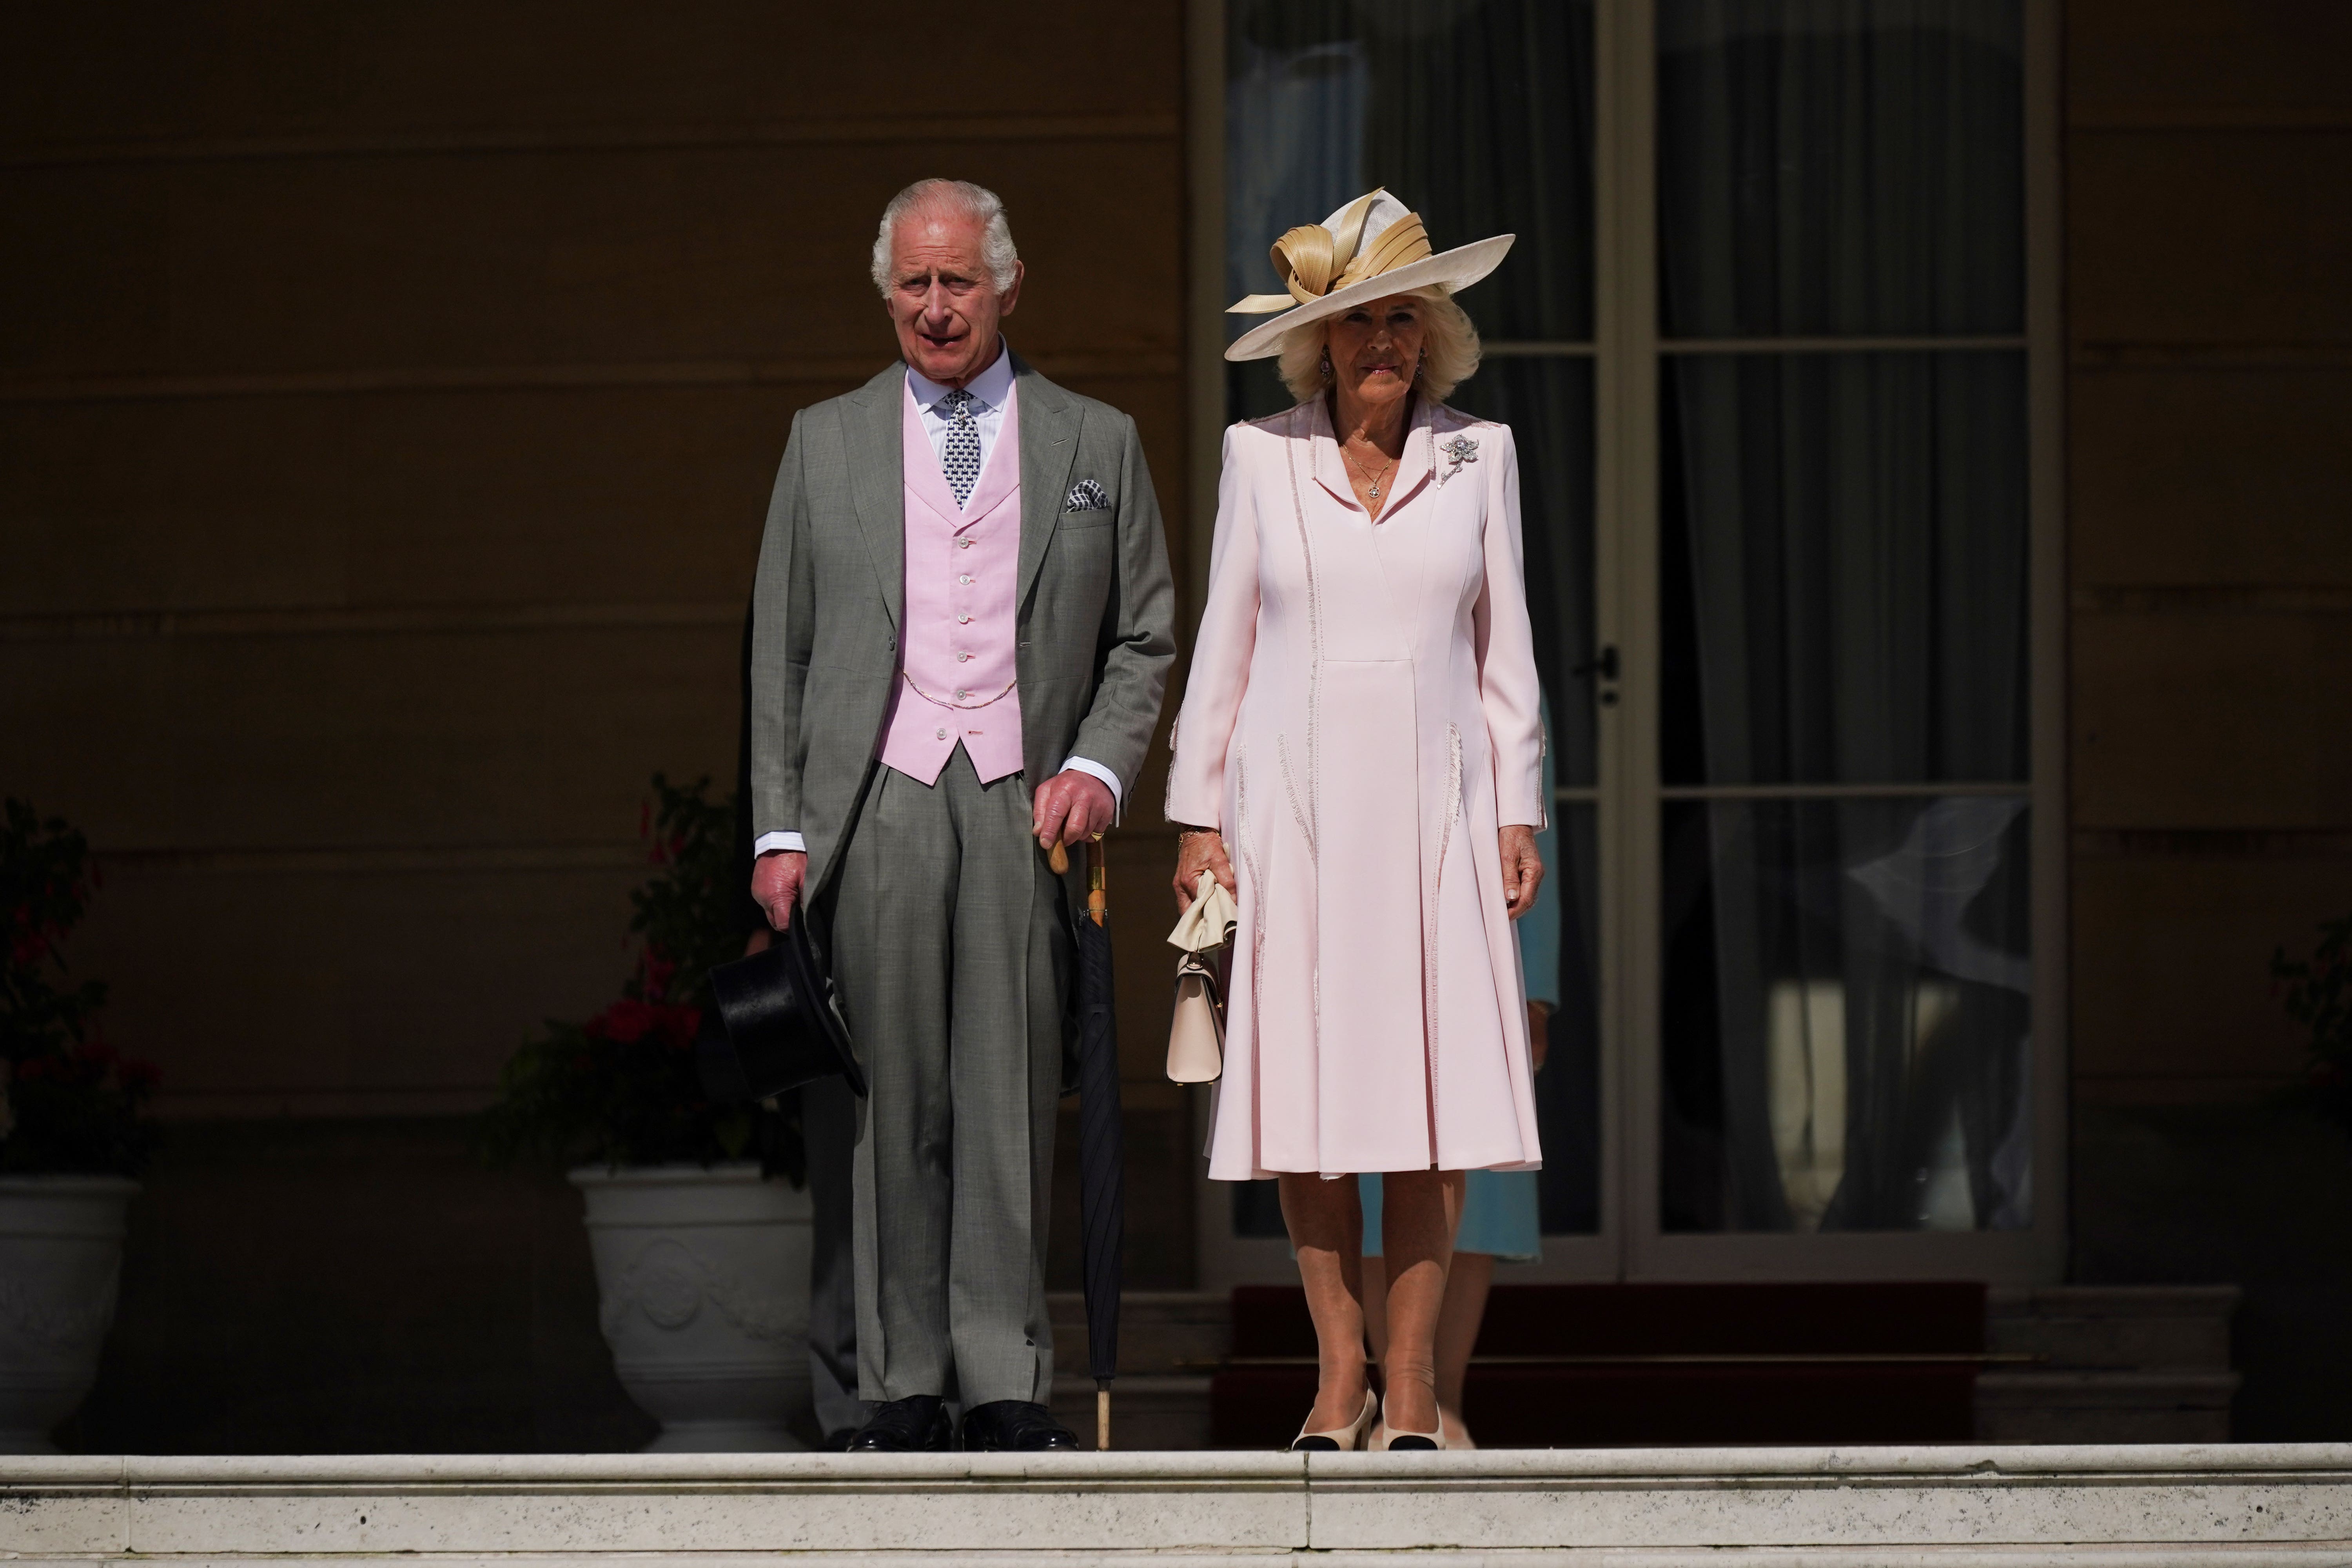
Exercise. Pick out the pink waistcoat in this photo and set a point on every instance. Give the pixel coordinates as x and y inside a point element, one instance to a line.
<point>957,666</point>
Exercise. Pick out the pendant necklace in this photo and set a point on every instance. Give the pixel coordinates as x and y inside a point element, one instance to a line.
<point>1375,486</point>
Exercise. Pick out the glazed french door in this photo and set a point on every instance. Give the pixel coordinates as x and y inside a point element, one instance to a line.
<point>1773,346</point>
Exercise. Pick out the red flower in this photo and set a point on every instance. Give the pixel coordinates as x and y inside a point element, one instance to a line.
<point>658,972</point>
<point>630,1022</point>
<point>625,1021</point>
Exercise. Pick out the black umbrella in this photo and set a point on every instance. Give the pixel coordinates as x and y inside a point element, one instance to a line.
<point>1102,1139</point>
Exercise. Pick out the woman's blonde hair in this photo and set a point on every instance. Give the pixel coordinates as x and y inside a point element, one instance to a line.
<point>1449,350</point>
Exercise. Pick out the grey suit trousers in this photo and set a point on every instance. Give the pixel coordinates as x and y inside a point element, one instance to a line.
<point>829,1130</point>
<point>952,955</point>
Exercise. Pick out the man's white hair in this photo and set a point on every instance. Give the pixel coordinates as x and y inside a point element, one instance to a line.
<point>977,203</point>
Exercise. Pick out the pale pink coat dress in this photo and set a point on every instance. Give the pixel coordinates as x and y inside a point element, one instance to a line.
<point>1360,717</point>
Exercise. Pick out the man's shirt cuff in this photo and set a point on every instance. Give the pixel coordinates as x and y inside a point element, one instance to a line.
<point>1118,799</point>
<point>771,842</point>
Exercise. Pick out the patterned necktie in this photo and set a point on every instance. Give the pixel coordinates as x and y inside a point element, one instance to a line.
<point>961,457</point>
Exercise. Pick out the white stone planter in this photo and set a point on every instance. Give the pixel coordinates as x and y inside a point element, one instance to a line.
<point>704,1277</point>
<point>60,1260</point>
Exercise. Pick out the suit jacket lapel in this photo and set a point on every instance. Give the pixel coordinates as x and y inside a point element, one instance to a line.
<point>1049,448</point>
<point>874,433</point>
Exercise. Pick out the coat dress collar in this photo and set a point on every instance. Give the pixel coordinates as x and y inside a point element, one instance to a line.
<point>1413,469</point>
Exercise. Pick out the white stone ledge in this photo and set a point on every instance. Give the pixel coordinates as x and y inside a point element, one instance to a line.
<point>2297,1555</point>
<point>2119,1507</point>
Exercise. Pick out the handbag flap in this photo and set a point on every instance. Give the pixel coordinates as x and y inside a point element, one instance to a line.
<point>1196,1034</point>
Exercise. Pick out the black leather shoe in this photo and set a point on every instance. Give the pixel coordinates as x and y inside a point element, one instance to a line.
<point>916,1425</point>
<point>1015,1425</point>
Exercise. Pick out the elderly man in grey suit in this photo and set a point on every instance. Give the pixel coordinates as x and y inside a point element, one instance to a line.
<point>964,622</point>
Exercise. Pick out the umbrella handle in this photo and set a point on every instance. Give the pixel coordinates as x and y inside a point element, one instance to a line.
<point>1102,1418</point>
<point>1057,859</point>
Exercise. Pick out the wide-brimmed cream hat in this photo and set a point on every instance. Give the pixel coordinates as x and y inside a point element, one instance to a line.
<point>1369,249</point>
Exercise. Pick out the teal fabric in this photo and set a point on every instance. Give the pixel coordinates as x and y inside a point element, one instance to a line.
<point>1538,929</point>
<point>1499,1215</point>
<point>1499,1210</point>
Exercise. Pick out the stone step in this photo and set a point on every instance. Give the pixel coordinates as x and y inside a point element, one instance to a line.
<point>2169,1405</point>
<point>1960,1507</point>
<point>1147,1410</point>
<point>2138,1364</point>
<point>2134,1326</point>
<point>1158,1331</point>
<point>2115,1325</point>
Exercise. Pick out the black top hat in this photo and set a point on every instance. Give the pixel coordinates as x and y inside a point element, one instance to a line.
<point>780,1025</point>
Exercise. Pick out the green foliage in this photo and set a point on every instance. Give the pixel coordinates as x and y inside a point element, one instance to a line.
<point>686,916</point>
<point>68,1102</point>
<point>2318,994</point>
<point>624,1089</point>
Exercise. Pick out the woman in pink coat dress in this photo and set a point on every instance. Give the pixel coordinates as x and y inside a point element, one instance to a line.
<point>1358,761</point>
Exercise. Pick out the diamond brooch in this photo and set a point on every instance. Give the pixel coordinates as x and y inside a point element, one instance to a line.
<point>1460,450</point>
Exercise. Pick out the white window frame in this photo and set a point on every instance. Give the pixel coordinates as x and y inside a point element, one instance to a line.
<point>1629,794</point>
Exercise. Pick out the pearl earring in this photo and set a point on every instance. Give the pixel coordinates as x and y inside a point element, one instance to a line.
<point>1326,365</point>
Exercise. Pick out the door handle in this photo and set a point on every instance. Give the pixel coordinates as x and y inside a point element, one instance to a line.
<point>1603,664</point>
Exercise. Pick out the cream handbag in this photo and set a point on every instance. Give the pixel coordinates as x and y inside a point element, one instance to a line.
<point>1196,1038</point>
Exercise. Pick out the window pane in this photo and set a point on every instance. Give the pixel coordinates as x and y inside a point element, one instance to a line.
<point>1478,114</point>
<point>1835,167</point>
<point>1565,929</point>
<point>1844,568</point>
<point>1548,403</point>
<point>1847,1009</point>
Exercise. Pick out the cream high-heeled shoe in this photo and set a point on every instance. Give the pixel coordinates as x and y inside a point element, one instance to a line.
<point>1390,1439</point>
<point>1338,1439</point>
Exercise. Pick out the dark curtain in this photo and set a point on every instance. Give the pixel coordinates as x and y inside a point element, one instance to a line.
<point>1846,604</point>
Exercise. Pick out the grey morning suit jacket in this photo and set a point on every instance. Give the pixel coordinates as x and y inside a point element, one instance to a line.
<point>1097,606</point>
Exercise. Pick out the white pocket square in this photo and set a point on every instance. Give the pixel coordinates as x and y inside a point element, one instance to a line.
<point>1086,495</point>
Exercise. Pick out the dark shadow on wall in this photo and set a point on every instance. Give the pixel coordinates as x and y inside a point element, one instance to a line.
<point>370,1287</point>
<point>352,1287</point>
<point>2257,1196</point>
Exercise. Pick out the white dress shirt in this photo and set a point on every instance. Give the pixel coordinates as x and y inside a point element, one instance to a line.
<point>990,390</point>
